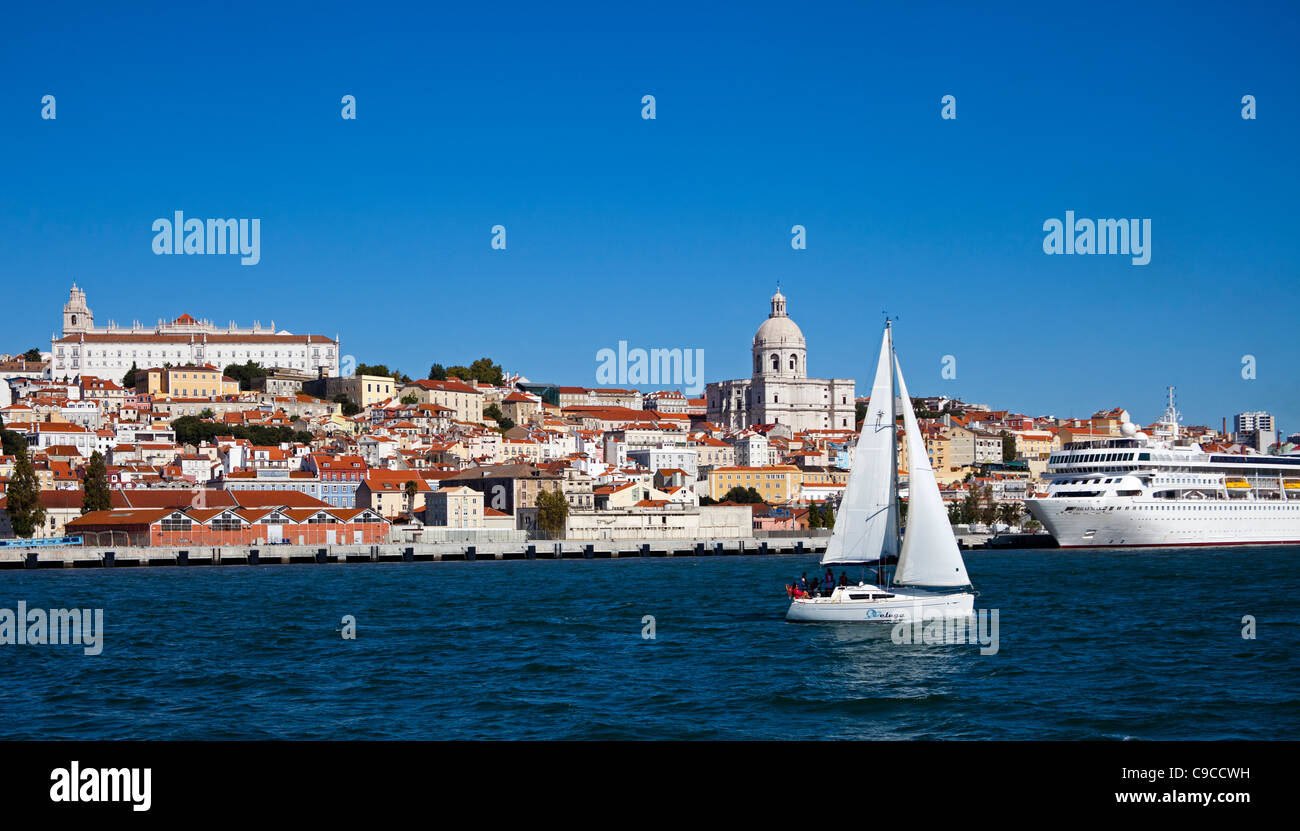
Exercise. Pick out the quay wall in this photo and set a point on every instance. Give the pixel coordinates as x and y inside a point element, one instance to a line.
<point>194,555</point>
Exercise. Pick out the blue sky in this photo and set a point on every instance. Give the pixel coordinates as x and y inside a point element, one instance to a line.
<point>674,232</point>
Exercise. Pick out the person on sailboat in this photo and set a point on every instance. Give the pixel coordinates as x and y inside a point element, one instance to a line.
<point>844,578</point>
<point>830,580</point>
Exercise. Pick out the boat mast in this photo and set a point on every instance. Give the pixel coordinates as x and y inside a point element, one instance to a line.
<point>893,449</point>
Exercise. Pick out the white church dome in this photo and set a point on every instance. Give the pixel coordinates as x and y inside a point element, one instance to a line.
<point>778,330</point>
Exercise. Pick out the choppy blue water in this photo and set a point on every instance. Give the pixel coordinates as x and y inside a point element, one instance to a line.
<point>1113,645</point>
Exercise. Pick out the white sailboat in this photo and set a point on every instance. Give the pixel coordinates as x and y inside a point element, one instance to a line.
<point>930,580</point>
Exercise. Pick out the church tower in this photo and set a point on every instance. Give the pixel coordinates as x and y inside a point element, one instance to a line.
<point>77,316</point>
<point>779,349</point>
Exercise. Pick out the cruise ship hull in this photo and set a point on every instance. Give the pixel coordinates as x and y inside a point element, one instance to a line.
<point>1125,523</point>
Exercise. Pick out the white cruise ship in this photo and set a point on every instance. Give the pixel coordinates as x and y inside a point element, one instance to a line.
<point>1140,490</point>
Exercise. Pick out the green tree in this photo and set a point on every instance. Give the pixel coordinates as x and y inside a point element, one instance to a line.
<point>988,513</point>
<point>23,497</point>
<point>859,412</point>
<point>32,355</point>
<point>349,408</point>
<point>493,412</point>
<point>374,369</point>
<point>486,372</point>
<point>437,372</point>
<point>482,370</point>
<point>128,380</point>
<point>970,504</point>
<point>10,441</point>
<point>828,516</point>
<point>745,496</point>
<point>552,511</point>
<point>195,431</point>
<point>411,489</point>
<point>1010,512</point>
<point>383,370</point>
<point>1008,447</point>
<point>814,515</point>
<point>207,413</point>
<point>95,490</point>
<point>245,373</point>
<point>410,398</point>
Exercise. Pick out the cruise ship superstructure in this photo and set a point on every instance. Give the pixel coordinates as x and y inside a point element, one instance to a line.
<point>1162,490</point>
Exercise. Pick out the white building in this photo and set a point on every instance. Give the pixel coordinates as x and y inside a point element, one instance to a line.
<point>780,391</point>
<point>454,507</point>
<point>46,434</point>
<point>109,352</point>
<point>1250,422</point>
<point>659,458</point>
<point>752,450</point>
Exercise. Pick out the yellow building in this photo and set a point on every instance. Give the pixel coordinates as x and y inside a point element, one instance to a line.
<point>1035,444</point>
<point>151,381</point>
<point>775,483</point>
<point>465,400</point>
<point>185,382</point>
<point>194,381</point>
<point>823,475</point>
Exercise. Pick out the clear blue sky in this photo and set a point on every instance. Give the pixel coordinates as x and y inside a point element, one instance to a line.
<point>674,232</point>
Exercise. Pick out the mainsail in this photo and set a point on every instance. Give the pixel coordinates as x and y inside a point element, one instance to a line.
<point>866,524</point>
<point>930,556</point>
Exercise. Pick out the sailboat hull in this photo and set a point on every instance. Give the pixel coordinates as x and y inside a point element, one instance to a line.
<point>872,604</point>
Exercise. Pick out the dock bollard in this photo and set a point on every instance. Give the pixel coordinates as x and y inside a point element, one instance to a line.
<point>109,556</point>
<point>253,555</point>
<point>182,558</point>
<point>320,555</point>
<point>699,549</point>
<point>471,552</point>
<point>408,554</point>
<point>645,549</point>
<point>717,548</point>
<point>798,547</point>
<point>531,552</point>
<point>31,559</point>
<point>589,551</point>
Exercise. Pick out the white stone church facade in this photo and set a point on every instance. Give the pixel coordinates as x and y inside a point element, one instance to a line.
<point>780,391</point>
<point>108,352</point>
